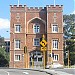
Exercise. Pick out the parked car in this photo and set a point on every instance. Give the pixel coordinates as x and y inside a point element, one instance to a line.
<point>55,65</point>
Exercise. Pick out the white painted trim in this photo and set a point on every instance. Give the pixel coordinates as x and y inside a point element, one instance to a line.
<point>15,45</point>
<point>20,57</point>
<point>33,41</point>
<point>36,25</point>
<point>58,44</point>
<point>15,28</point>
<point>58,57</point>
<point>52,28</point>
<point>36,18</point>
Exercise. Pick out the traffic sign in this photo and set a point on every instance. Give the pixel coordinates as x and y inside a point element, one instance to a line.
<point>43,48</point>
<point>43,43</point>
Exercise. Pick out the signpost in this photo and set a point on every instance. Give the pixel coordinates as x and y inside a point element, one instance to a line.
<point>43,44</point>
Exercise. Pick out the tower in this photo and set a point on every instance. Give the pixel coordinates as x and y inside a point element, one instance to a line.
<point>27,25</point>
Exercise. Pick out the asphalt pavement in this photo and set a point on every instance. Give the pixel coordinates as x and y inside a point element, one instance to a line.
<point>67,70</point>
<point>30,71</point>
<point>20,72</point>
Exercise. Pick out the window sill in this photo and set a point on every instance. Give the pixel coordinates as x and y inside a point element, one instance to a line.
<point>17,49</point>
<point>54,32</point>
<point>17,32</point>
<point>16,60</point>
<point>55,49</point>
<point>36,45</point>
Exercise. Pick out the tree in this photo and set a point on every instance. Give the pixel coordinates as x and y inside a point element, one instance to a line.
<point>4,58</point>
<point>71,47</point>
<point>69,32</point>
<point>1,41</point>
<point>69,28</point>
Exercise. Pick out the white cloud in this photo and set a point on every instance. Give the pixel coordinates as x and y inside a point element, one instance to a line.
<point>4,23</point>
<point>73,12</point>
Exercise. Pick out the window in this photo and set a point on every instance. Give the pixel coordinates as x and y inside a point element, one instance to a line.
<point>55,58</point>
<point>37,56</point>
<point>17,57</point>
<point>40,59</point>
<point>17,28</point>
<point>7,49</point>
<point>8,43</point>
<point>54,28</point>
<point>36,28</point>
<point>36,42</point>
<point>55,44</point>
<point>17,44</point>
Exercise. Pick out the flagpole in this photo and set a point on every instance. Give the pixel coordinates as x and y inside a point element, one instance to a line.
<point>18,2</point>
<point>54,2</point>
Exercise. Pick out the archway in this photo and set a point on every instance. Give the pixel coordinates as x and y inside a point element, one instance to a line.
<point>37,19</point>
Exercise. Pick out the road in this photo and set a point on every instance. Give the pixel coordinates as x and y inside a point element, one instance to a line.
<point>20,72</point>
<point>8,71</point>
<point>68,70</point>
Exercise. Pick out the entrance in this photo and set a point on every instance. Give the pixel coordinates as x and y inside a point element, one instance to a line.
<point>37,59</point>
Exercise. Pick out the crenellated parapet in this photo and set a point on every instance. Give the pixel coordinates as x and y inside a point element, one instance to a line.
<point>36,9</point>
<point>56,8</point>
<point>16,6</point>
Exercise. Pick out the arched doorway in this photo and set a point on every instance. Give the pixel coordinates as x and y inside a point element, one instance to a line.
<point>37,58</point>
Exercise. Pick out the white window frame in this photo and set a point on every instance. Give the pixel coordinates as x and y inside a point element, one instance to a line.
<point>18,44</point>
<point>37,57</point>
<point>18,57</point>
<point>33,42</point>
<point>55,44</point>
<point>18,26</point>
<point>36,24</point>
<point>56,57</point>
<point>54,26</point>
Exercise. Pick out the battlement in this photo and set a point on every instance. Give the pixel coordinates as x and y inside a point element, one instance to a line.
<point>56,6</point>
<point>27,8</point>
<point>36,8</point>
<point>16,6</point>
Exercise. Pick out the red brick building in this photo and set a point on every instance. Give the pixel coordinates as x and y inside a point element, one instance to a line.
<point>27,25</point>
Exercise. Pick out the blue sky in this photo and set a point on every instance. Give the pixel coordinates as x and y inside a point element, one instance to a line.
<point>69,7</point>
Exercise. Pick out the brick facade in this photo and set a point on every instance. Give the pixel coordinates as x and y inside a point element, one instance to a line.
<point>27,17</point>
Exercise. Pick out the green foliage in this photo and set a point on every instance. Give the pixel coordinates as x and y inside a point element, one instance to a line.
<point>72,58</point>
<point>4,58</point>
<point>1,41</point>
<point>69,32</point>
<point>69,28</point>
<point>71,47</point>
